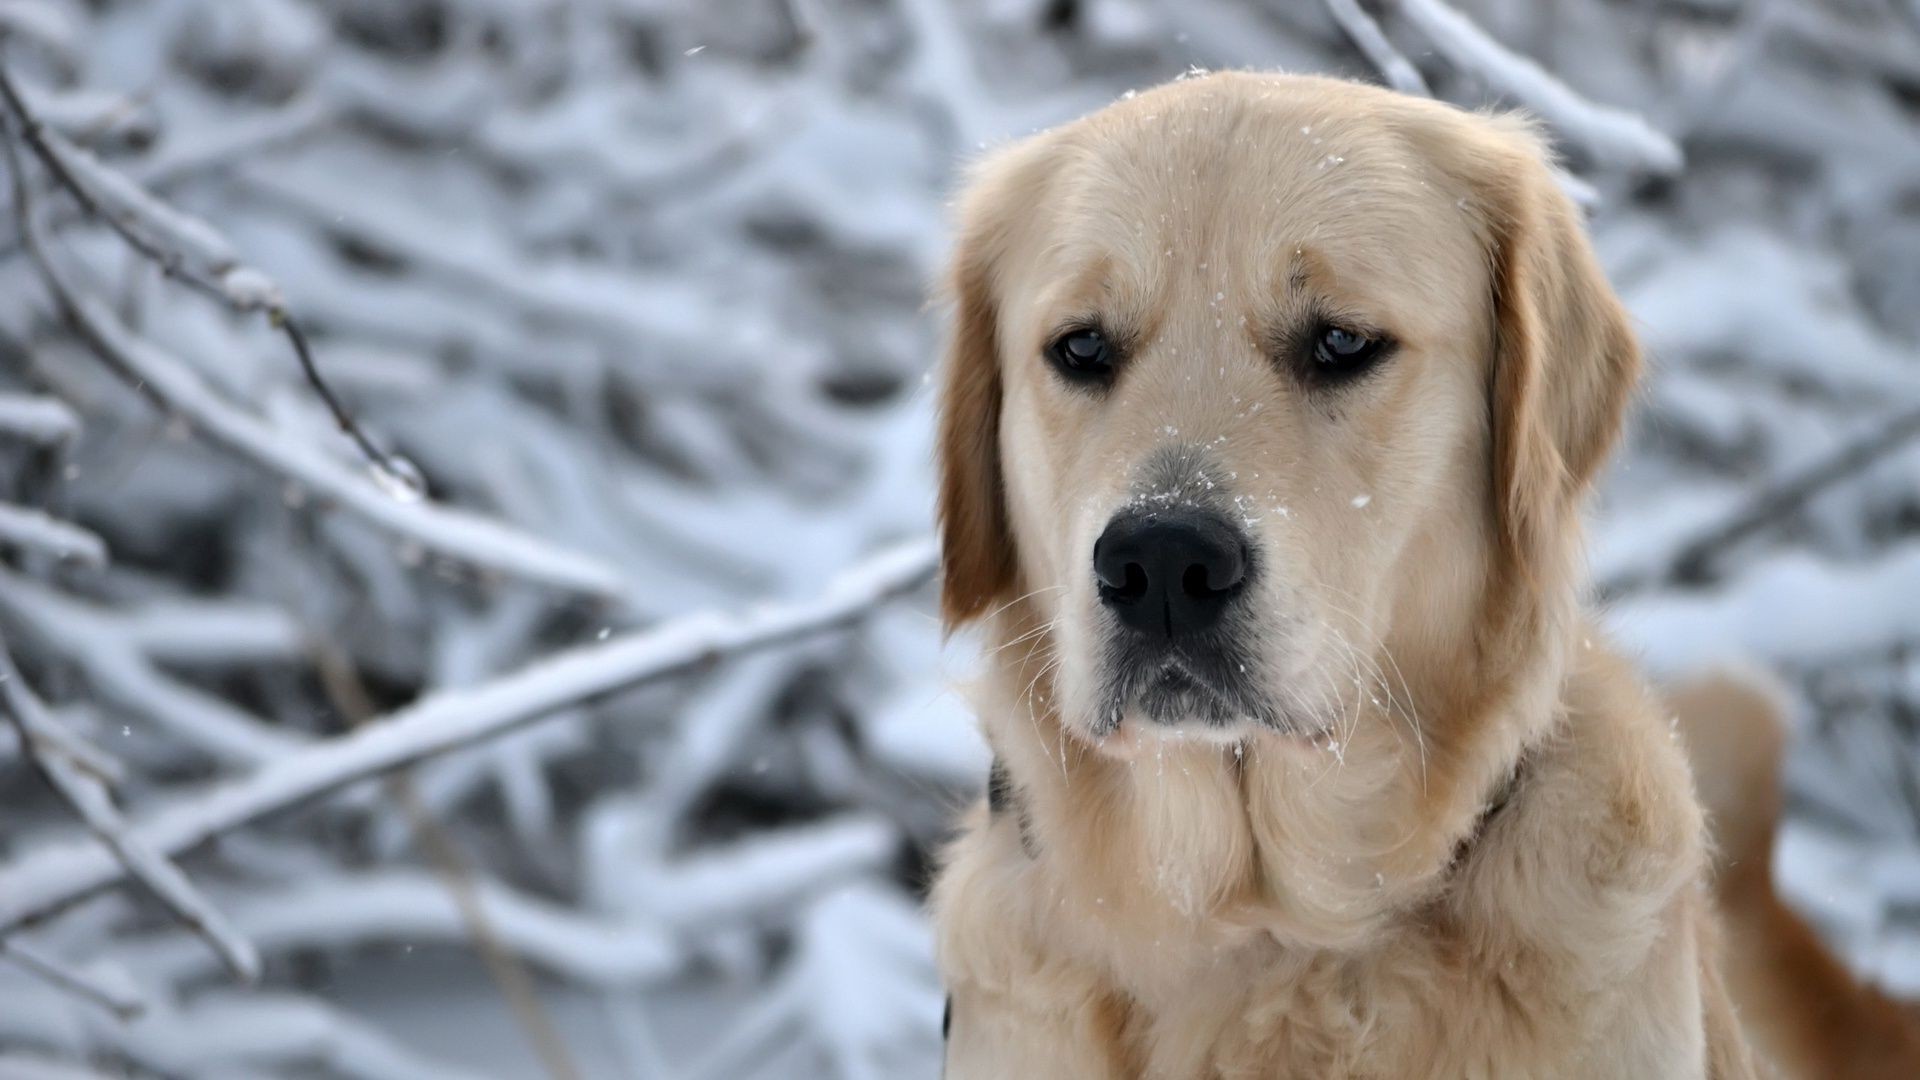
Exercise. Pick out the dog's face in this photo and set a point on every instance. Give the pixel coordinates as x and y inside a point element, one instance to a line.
<point>1251,393</point>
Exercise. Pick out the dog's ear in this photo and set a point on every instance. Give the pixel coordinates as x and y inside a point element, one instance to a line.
<point>977,554</point>
<point>1565,357</point>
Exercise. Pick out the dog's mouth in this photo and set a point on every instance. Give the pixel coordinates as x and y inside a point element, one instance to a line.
<point>1211,693</point>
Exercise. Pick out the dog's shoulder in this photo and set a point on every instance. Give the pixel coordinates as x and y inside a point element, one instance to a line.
<point>1600,849</point>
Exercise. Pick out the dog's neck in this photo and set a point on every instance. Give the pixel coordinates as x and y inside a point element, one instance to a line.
<point>1280,837</point>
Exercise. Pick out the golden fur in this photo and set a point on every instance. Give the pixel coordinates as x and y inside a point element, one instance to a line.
<point>1805,1011</point>
<point>1324,902</point>
<point>1469,846</point>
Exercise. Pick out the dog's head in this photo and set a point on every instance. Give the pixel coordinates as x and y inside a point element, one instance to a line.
<point>1260,385</point>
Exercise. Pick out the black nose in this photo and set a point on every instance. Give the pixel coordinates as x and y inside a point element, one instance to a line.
<point>1169,575</point>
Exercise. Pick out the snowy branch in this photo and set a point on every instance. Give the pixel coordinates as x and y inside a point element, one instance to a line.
<point>26,529</point>
<point>117,669</point>
<point>1615,138</point>
<point>46,880</point>
<point>89,799</point>
<point>36,419</point>
<point>187,249</point>
<point>375,496</point>
<point>1774,502</point>
<point>1368,38</point>
<point>109,993</point>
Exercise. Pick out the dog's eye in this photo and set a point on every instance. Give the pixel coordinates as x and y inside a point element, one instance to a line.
<point>1341,351</point>
<point>1083,354</point>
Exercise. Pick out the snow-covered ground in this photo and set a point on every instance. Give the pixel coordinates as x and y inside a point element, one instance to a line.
<point>637,287</point>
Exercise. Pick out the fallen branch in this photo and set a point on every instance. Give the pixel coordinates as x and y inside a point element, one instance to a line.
<point>51,878</point>
<point>93,805</point>
<point>1614,137</point>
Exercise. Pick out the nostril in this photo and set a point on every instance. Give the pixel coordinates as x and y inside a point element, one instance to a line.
<point>1218,574</point>
<point>1131,586</point>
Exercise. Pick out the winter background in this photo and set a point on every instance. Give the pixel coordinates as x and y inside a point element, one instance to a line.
<point>600,728</point>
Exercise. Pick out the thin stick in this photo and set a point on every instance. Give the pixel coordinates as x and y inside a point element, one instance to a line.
<point>348,692</point>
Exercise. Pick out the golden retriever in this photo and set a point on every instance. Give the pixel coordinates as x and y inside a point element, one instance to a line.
<point>1269,411</point>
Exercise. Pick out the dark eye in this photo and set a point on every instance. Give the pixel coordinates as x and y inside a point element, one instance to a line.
<point>1083,354</point>
<point>1339,351</point>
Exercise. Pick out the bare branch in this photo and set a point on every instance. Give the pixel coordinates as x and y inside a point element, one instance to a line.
<point>51,878</point>
<point>91,802</point>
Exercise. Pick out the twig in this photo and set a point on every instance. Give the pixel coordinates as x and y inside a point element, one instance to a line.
<point>1612,136</point>
<point>1367,36</point>
<point>167,380</point>
<point>189,250</point>
<point>48,879</point>
<point>1694,558</point>
<point>25,529</point>
<point>121,1001</point>
<point>349,696</point>
<point>89,800</point>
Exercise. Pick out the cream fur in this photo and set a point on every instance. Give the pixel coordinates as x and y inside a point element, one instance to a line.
<point>1315,903</point>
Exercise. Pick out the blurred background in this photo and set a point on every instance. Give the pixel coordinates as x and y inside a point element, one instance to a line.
<point>632,577</point>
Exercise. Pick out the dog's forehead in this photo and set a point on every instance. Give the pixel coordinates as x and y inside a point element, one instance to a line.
<point>1248,178</point>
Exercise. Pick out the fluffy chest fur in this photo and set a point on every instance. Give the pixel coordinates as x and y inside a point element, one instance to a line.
<point>1182,915</point>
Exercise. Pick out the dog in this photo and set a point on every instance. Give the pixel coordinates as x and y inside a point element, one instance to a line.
<point>1269,410</point>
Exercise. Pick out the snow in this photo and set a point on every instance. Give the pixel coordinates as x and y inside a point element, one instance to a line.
<point>634,294</point>
<point>25,529</point>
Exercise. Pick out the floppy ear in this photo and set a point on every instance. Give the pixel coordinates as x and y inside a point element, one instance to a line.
<point>1565,357</point>
<point>977,554</point>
